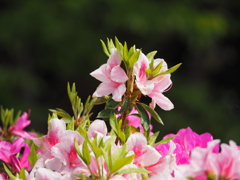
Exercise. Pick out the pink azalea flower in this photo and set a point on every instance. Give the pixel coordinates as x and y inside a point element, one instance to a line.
<point>186,140</point>
<point>56,132</point>
<point>145,155</point>
<point>9,154</point>
<point>64,153</point>
<point>136,122</point>
<point>112,77</point>
<point>166,168</point>
<point>97,127</point>
<point>17,129</point>
<point>154,88</point>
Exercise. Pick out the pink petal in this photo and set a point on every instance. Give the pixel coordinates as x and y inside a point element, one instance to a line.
<point>118,75</point>
<point>145,87</point>
<point>104,89</point>
<point>140,66</point>
<point>162,83</point>
<point>118,92</point>
<point>101,74</point>
<point>97,126</point>
<point>162,101</point>
<point>114,59</point>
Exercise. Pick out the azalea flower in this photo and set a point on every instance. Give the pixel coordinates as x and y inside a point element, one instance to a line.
<point>9,154</point>
<point>221,165</point>
<point>112,76</point>
<point>154,87</point>
<point>17,129</point>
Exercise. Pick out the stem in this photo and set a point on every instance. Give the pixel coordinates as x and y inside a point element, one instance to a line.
<point>130,87</point>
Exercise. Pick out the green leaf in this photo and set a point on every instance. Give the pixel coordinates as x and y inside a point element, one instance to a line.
<point>32,157</point>
<point>157,69</point>
<point>100,100</point>
<point>61,113</point>
<point>119,153</point>
<point>124,105</point>
<point>152,112</point>
<point>22,174</point>
<point>131,51</point>
<point>86,153</point>
<point>105,50</point>
<point>171,70</point>
<point>11,176</point>
<point>133,58</point>
<point>112,104</point>
<point>105,113</point>
<point>153,138</point>
<point>119,46</point>
<point>110,45</point>
<point>119,163</point>
<point>145,120</point>
<point>164,141</point>
<point>151,55</point>
<point>133,170</point>
<point>125,52</point>
<point>83,177</point>
<point>113,122</point>
<point>108,158</point>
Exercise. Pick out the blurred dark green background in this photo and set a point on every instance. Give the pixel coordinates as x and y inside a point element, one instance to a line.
<point>45,44</point>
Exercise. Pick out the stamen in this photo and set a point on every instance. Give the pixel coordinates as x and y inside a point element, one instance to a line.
<point>168,88</point>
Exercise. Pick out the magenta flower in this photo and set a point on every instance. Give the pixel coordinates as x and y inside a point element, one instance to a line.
<point>153,87</point>
<point>9,153</point>
<point>186,140</point>
<point>112,77</point>
<point>17,129</point>
<point>136,122</point>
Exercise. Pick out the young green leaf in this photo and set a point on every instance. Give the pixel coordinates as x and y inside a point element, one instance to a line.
<point>119,163</point>
<point>119,46</point>
<point>119,153</point>
<point>86,153</point>
<point>32,157</point>
<point>153,138</point>
<point>133,170</point>
<point>105,50</point>
<point>9,173</point>
<point>151,55</point>
<point>110,45</point>
<point>125,52</point>
<point>171,70</point>
<point>22,174</point>
<point>133,58</point>
<point>164,141</point>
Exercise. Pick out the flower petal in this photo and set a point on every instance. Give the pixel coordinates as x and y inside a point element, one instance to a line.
<point>118,92</point>
<point>118,75</point>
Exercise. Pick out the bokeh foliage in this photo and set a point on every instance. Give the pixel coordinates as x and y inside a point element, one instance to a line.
<point>45,44</point>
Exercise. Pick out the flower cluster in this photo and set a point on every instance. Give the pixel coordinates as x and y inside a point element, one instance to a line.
<point>14,151</point>
<point>79,147</point>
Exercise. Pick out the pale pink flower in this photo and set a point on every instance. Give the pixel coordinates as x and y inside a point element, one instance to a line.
<point>201,161</point>
<point>226,164</point>
<point>153,87</point>
<point>112,76</point>
<point>97,127</point>
<point>165,167</point>
<point>65,158</point>
<point>17,129</point>
<point>56,132</point>
<point>48,174</point>
<point>145,155</point>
